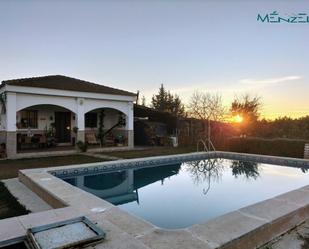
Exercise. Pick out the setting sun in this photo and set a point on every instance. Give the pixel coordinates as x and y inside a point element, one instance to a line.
<point>238,118</point>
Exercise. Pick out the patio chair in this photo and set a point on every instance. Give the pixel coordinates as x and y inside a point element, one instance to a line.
<point>91,139</point>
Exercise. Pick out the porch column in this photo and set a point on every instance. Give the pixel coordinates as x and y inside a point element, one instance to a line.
<point>11,135</point>
<point>80,120</point>
<point>130,125</point>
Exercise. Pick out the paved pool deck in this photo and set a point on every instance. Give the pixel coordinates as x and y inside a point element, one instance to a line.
<point>73,151</point>
<point>248,227</point>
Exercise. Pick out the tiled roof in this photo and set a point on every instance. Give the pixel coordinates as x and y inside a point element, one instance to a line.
<point>61,82</point>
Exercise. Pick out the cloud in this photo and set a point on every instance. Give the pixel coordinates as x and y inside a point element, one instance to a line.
<point>270,80</point>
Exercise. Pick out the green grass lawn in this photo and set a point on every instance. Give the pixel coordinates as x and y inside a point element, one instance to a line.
<point>9,206</point>
<point>155,151</point>
<point>9,168</point>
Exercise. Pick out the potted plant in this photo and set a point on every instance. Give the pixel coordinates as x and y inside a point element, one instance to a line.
<point>120,140</point>
<point>50,135</point>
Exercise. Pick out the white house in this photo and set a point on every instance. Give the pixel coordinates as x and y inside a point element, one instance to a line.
<point>49,111</point>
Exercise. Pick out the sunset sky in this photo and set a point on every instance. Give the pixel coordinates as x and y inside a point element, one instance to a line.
<point>137,45</point>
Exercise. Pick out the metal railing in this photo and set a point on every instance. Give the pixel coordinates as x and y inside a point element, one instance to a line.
<point>208,148</point>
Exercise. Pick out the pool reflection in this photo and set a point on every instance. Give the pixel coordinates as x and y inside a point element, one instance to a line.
<point>121,187</point>
<point>180,195</point>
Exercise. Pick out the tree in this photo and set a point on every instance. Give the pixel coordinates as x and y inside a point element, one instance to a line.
<point>206,107</point>
<point>283,127</point>
<point>159,101</point>
<point>248,108</point>
<point>175,105</point>
<point>166,102</point>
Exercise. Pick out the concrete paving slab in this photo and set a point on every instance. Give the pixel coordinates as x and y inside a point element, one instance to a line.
<point>173,239</point>
<point>87,203</point>
<point>38,219</point>
<point>131,224</point>
<point>297,196</point>
<point>102,156</point>
<point>11,228</point>
<point>115,237</point>
<point>226,228</point>
<point>67,213</point>
<point>271,209</point>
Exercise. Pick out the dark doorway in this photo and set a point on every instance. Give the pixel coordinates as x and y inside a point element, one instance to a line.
<point>63,127</point>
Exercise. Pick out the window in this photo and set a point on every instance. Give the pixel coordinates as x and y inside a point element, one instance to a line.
<point>29,119</point>
<point>91,120</point>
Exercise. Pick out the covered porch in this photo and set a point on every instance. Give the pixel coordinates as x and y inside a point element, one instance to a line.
<point>44,128</point>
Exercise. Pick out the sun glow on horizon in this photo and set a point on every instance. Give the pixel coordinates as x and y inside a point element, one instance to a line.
<point>237,118</point>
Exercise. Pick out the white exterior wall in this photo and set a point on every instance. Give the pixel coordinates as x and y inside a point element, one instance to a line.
<point>27,100</point>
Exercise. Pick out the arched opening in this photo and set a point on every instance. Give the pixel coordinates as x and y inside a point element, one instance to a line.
<point>106,127</point>
<point>45,127</point>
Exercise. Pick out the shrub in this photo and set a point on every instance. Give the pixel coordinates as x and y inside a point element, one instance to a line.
<point>274,147</point>
<point>82,146</point>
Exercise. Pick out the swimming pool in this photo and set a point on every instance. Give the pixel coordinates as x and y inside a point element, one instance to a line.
<point>182,193</point>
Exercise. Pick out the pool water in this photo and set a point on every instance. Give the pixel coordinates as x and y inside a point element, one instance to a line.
<point>180,195</point>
